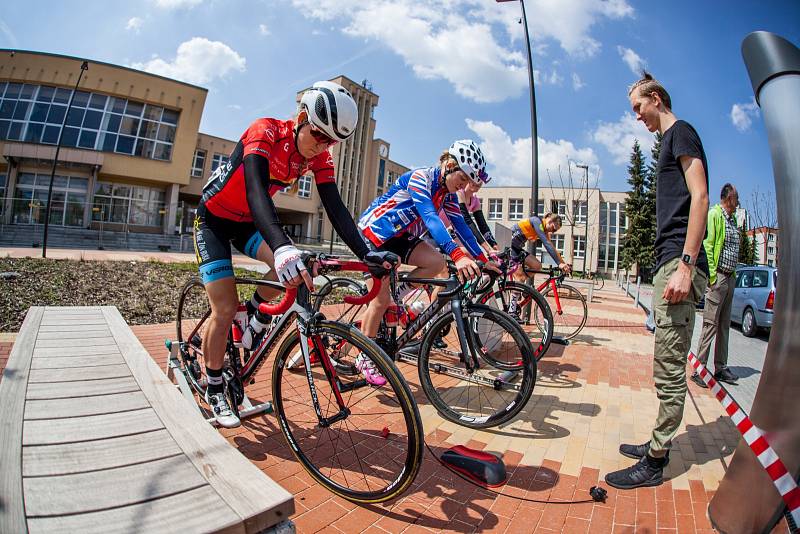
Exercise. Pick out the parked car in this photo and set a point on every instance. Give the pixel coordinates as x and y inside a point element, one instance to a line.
<point>754,298</point>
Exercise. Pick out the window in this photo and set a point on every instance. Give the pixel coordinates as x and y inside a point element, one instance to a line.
<point>67,205</point>
<point>495,209</point>
<point>771,263</point>
<point>771,237</point>
<point>559,207</point>
<point>217,160</point>
<point>770,250</point>
<point>612,217</point>
<point>199,163</point>
<point>578,247</point>
<point>760,278</point>
<point>539,207</point>
<point>515,209</point>
<point>381,170</point>
<point>745,280</point>
<point>580,210</point>
<point>2,182</point>
<point>34,113</point>
<point>304,189</point>
<point>558,242</point>
<point>125,204</point>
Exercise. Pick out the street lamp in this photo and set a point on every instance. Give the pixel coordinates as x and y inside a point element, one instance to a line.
<point>84,67</point>
<point>586,219</point>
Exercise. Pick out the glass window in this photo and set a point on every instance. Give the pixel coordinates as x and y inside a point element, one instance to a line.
<point>580,211</point>
<point>39,113</point>
<point>4,125</point>
<point>98,101</point>
<point>111,122</point>
<point>129,126</point>
<point>13,89</point>
<point>134,108</point>
<point>117,105</point>
<point>62,95</point>
<point>56,114</point>
<point>34,132</point>
<point>51,134</point>
<point>162,151</point>
<point>559,207</point>
<point>745,279</point>
<point>166,133</point>
<point>770,250</point>
<point>15,131</point>
<point>46,94</point>
<point>70,137</point>
<point>170,116</point>
<point>152,113</point>
<point>26,179</point>
<point>75,117</point>
<point>495,209</point>
<point>92,119</point>
<point>125,144</point>
<point>78,184</point>
<point>81,99</point>
<point>217,160</point>
<point>199,163</point>
<point>27,91</point>
<point>87,139</point>
<point>558,243</point>
<point>7,109</point>
<point>21,110</point>
<point>108,142</point>
<point>760,278</point>
<point>147,129</point>
<point>539,207</point>
<point>304,186</point>
<point>578,247</point>
<point>515,209</point>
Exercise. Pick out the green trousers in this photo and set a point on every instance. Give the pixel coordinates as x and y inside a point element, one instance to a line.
<point>674,326</point>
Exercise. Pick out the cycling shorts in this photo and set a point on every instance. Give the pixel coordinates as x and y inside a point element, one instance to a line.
<point>402,245</point>
<point>212,243</point>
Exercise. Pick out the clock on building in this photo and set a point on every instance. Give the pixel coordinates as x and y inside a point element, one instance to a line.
<point>383,151</point>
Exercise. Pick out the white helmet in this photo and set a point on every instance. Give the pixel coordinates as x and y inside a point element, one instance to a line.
<point>470,159</point>
<point>331,109</point>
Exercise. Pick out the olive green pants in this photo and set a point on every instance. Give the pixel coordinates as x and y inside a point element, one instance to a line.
<point>674,326</point>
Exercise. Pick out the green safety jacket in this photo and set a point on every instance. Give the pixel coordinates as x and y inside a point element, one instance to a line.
<point>715,238</point>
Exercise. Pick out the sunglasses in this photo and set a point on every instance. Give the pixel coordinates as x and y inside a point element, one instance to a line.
<point>320,136</point>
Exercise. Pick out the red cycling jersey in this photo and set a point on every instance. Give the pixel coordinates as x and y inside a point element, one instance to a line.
<point>224,194</point>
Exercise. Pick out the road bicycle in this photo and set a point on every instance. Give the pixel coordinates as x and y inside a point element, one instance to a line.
<point>361,442</point>
<point>461,348</point>
<point>597,279</point>
<point>567,304</point>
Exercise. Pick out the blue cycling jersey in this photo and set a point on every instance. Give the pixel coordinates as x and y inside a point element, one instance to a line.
<point>411,205</point>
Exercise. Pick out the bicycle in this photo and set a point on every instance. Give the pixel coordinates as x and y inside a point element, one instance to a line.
<point>360,442</point>
<point>465,386</point>
<point>597,279</point>
<point>568,305</point>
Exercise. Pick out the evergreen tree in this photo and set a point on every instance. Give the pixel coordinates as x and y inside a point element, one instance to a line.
<point>636,239</point>
<point>648,256</point>
<point>747,248</point>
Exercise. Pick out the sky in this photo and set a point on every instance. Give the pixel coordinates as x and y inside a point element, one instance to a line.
<point>451,69</point>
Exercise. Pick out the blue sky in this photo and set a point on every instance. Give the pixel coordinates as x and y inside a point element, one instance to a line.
<point>449,69</point>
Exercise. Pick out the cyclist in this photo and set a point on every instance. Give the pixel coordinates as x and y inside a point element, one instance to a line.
<point>236,208</point>
<point>471,209</point>
<point>534,229</point>
<point>396,221</point>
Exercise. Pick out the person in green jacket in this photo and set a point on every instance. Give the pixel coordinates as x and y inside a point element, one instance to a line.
<point>722,249</point>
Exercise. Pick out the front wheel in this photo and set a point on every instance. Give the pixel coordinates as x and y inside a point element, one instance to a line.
<point>370,450</point>
<point>749,324</point>
<point>479,398</point>
<point>569,313</point>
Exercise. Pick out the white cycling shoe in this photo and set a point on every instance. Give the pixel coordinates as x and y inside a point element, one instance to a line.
<point>221,410</point>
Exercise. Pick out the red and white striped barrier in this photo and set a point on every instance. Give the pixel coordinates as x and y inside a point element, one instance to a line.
<point>783,480</point>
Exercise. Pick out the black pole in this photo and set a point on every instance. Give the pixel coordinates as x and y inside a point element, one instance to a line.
<point>84,67</point>
<point>534,137</point>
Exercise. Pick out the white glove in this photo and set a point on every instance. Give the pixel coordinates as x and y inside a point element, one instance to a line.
<point>288,262</point>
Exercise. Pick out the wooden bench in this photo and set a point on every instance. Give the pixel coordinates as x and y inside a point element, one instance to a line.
<point>94,438</point>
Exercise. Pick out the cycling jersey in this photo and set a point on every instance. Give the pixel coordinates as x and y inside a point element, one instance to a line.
<point>224,194</point>
<point>531,230</point>
<point>411,206</point>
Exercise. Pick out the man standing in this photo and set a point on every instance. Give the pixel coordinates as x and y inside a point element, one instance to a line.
<point>681,273</point>
<point>722,249</point>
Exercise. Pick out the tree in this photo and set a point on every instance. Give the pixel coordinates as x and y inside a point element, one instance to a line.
<point>640,237</point>
<point>747,247</point>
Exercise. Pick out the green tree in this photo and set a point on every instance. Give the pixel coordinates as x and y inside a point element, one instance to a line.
<point>637,236</point>
<point>747,248</point>
<point>648,257</point>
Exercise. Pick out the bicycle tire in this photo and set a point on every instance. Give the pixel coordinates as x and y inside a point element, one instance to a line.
<point>446,397</point>
<point>332,294</point>
<point>599,282</point>
<point>570,320</point>
<point>193,310</point>
<point>540,337</point>
<point>312,447</point>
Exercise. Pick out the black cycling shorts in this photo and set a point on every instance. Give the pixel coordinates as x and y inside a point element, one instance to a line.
<point>212,243</point>
<point>402,245</point>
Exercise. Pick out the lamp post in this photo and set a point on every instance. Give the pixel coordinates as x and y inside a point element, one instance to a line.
<point>586,218</point>
<point>84,67</point>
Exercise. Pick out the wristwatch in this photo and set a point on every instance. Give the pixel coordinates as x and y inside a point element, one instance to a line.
<point>688,260</point>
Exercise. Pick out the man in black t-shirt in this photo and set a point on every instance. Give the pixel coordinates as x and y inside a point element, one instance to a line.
<point>681,273</point>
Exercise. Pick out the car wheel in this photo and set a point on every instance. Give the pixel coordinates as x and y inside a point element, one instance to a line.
<point>749,326</point>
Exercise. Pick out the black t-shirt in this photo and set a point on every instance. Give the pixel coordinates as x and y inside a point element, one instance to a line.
<point>672,195</point>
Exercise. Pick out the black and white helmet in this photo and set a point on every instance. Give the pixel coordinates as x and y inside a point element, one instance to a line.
<point>470,159</point>
<point>331,108</point>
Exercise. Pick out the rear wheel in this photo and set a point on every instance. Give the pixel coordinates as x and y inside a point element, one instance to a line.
<point>749,324</point>
<point>191,322</point>
<point>513,298</point>
<point>372,451</point>
<point>569,316</point>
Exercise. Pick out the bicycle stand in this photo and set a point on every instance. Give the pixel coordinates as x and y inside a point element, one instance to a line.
<point>174,373</point>
<point>458,372</point>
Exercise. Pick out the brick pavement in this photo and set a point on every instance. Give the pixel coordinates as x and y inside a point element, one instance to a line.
<point>590,396</point>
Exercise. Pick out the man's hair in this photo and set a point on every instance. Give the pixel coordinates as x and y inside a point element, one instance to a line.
<point>556,218</point>
<point>648,85</point>
<point>727,189</point>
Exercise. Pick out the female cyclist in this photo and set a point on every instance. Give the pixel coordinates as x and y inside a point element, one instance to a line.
<point>236,208</point>
<point>470,206</point>
<point>396,221</point>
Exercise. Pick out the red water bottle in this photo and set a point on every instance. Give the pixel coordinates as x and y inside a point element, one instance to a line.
<point>239,324</point>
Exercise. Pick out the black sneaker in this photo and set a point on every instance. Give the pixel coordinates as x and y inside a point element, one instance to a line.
<point>697,380</point>
<point>646,472</point>
<point>726,375</point>
<point>638,451</point>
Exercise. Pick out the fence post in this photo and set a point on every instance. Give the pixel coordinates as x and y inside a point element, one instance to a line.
<point>638,286</point>
<point>627,285</point>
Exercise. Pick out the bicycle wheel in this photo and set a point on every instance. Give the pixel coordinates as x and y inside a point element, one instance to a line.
<point>568,319</point>
<point>329,299</point>
<point>523,295</point>
<point>373,451</point>
<point>191,322</point>
<point>479,399</point>
<point>599,282</point>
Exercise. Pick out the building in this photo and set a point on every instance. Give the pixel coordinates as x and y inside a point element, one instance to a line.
<point>604,212</point>
<point>766,240</point>
<point>132,157</point>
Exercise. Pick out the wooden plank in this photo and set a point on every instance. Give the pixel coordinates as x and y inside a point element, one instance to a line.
<point>65,343</point>
<point>98,490</point>
<point>89,349</point>
<point>76,361</point>
<point>83,373</point>
<point>86,388</point>
<point>78,334</point>
<point>256,498</point>
<point>71,328</point>
<point>198,510</point>
<point>81,406</point>
<point>44,460</point>
<point>72,321</point>
<point>90,427</point>
<point>12,399</point>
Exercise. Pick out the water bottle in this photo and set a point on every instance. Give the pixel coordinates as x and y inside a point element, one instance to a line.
<point>257,324</point>
<point>392,316</point>
<point>414,309</point>
<point>239,325</point>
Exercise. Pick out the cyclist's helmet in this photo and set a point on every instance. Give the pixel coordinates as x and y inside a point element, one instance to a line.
<point>331,108</point>
<point>470,159</point>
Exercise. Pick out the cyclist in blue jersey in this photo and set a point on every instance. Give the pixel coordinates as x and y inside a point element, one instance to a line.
<point>397,220</point>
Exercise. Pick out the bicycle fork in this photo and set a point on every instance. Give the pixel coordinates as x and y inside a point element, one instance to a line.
<point>470,359</point>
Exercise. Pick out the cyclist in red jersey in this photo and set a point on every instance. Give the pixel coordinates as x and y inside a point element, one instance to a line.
<point>237,208</point>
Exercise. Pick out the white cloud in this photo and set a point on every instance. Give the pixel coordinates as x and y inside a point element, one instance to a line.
<point>510,159</point>
<point>742,115</point>
<point>8,34</point>
<point>577,83</point>
<point>618,137</point>
<point>235,107</point>
<point>632,59</point>
<point>263,30</point>
<point>135,24</point>
<point>197,61</point>
<point>176,4</point>
<point>430,36</point>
